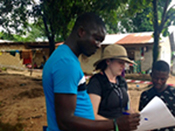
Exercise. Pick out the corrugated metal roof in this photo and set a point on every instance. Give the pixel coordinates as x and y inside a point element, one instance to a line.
<point>4,41</point>
<point>112,38</point>
<point>137,38</point>
<point>130,38</point>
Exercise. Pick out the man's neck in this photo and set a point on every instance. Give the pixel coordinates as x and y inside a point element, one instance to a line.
<point>161,89</point>
<point>71,42</point>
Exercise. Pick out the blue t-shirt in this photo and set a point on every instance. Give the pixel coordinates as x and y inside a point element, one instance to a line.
<point>62,73</point>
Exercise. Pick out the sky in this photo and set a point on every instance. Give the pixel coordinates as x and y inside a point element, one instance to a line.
<point>172,28</point>
<point>172,3</point>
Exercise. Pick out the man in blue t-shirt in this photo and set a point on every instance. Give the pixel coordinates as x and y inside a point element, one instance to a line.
<point>67,102</point>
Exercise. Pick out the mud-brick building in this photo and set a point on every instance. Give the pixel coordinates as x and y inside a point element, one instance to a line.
<point>19,54</point>
<point>139,47</point>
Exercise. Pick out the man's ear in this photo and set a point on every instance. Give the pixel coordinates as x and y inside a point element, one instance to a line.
<point>81,31</point>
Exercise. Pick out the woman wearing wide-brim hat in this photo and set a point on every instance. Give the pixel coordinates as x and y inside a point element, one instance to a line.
<point>108,89</point>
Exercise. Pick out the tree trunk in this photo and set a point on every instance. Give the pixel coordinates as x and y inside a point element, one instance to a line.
<point>51,44</point>
<point>156,32</point>
<point>50,37</point>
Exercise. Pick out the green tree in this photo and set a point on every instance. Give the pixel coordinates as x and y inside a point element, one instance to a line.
<point>163,17</point>
<point>154,13</point>
<point>142,22</point>
<point>57,17</point>
<point>14,15</point>
<point>34,32</point>
<point>12,37</point>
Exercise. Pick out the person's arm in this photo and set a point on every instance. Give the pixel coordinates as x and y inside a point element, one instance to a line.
<point>95,100</point>
<point>65,106</point>
<point>95,92</point>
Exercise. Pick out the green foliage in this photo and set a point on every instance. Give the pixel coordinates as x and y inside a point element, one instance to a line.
<point>54,13</point>
<point>59,16</point>
<point>14,15</point>
<point>120,22</point>
<point>54,19</point>
<point>5,36</point>
<point>137,19</point>
<point>142,22</point>
<point>154,16</point>
<point>36,31</point>
<point>11,37</point>
<point>163,18</point>
<point>137,6</point>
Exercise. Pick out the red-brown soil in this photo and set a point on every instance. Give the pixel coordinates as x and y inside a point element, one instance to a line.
<point>22,99</point>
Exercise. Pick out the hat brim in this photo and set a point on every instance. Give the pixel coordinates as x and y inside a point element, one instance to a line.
<point>126,59</point>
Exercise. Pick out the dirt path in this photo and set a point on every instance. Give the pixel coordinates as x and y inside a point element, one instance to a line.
<point>22,99</point>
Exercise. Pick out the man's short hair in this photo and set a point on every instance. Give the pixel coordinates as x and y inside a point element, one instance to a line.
<point>87,19</point>
<point>161,66</point>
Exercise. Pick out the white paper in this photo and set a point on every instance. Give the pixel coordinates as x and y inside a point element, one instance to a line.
<point>155,115</point>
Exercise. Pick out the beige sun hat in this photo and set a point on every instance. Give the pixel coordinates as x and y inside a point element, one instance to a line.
<point>116,52</point>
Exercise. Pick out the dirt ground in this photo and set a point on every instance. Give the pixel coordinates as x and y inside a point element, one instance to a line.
<point>22,99</point>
